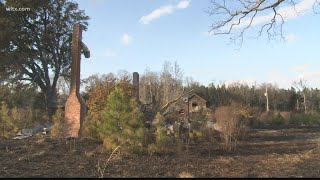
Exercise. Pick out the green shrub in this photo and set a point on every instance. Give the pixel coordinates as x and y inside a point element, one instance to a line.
<point>152,148</point>
<point>198,128</point>
<point>59,125</point>
<point>277,120</point>
<point>163,142</point>
<point>90,125</point>
<point>7,127</point>
<point>263,120</point>
<point>271,118</point>
<point>22,117</point>
<point>305,119</point>
<point>16,117</point>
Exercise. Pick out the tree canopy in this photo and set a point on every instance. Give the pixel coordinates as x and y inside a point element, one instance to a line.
<point>36,45</point>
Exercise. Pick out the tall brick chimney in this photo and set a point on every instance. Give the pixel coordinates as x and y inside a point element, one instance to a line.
<point>135,82</point>
<point>75,107</point>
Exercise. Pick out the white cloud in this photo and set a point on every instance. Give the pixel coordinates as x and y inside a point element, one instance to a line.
<point>183,4</point>
<point>155,14</point>
<point>287,12</point>
<point>164,10</point>
<point>126,39</point>
<point>291,38</point>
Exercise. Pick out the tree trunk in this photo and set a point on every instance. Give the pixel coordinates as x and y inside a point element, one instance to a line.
<point>304,103</point>
<point>267,96</point>
<point>51,100</point>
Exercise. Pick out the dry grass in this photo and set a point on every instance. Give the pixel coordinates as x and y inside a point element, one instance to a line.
<point>185,175</point>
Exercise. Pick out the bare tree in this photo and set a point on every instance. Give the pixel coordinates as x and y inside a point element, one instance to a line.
<point>171,81</point>
<point>236,17</point>
<point>162,89</point>
<point>267,97</point>
<point>301,85</point>
<point>150,87</point>
<point>231,123</point>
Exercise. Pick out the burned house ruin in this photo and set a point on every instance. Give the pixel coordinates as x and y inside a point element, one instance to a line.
<point>183,108</point>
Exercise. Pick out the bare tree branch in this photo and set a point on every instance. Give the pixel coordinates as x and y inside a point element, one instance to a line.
<point>316,5</point>
<point>168,104</point>
<point>235,18</point>
<point>165,107</point>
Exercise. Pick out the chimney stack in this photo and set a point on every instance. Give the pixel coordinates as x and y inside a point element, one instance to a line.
<point>135,83</point>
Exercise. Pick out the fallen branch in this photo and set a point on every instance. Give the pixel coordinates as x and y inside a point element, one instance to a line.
<point>311,150</point>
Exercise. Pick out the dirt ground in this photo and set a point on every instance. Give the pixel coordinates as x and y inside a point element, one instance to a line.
<point>263,153</point>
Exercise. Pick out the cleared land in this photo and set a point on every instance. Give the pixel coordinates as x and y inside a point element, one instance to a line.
<point>263,153</point>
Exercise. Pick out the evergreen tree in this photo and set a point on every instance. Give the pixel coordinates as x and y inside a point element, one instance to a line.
<point>121,120</point>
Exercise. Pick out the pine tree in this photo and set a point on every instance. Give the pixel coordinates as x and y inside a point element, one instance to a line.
<point>162,141</point>
<point>121,120</point>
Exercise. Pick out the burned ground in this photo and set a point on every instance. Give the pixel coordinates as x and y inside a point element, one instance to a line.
<point>263,153</point>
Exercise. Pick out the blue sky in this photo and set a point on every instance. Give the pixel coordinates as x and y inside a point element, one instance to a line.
<point>133,35</point>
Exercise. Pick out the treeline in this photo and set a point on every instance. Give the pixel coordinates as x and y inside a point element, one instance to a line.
<point>279,99</point>
<point>169,82</point>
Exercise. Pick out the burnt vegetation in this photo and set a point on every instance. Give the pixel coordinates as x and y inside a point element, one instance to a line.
<point>156,124</point>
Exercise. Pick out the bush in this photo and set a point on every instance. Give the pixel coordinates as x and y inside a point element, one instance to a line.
<point>287,118</point>
<point>305,119</point>
<point>162,141</point>
<point>22,117</point>
<point>227,119</point>
<point>59,125</point>
<point>232,121</point>
<point>277,120</point>
<point>7,127</point>
<point>273,119</point>
<point>198,126</point>
<point>90,127</point>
